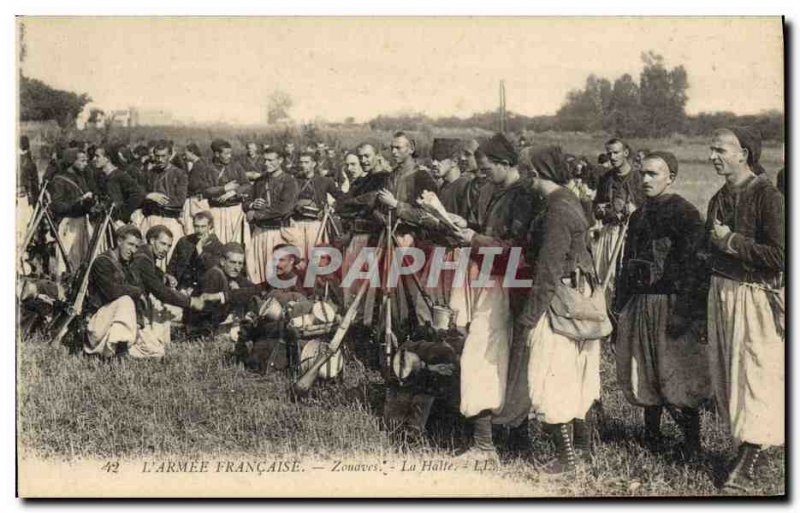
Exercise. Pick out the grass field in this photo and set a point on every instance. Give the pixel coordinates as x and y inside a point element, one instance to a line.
<point>197,401</point>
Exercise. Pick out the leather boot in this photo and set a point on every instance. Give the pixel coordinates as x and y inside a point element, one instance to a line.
<point>482,447</point>
<point>652,427</point>
<point>566,461</point>
<point>582,435</point>
<point>743,473</point>
<point>689,421</point>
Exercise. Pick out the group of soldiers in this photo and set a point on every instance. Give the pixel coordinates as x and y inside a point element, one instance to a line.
<point>696,306</point>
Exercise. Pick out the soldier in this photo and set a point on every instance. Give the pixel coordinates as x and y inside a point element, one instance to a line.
<point>166,195</point>
<point>745,224</point>
<point>618,195</point>
<point>551,373</point>
<point>27,187</point>
<point>274,197</point>
<point>71,200</point>
<point>314,194</point>
<point>225,186</point>
<point>252,162</point>
<point>195,253</point>
<point>198,171</point>
<point>225,290</point>
<point>484,361</point>
<point>660,298</point>
<point>117,186</point>
<point>453,190</point>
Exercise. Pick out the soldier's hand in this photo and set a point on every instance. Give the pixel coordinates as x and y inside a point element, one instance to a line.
<point>231,186</point>
<point>387,198</point>
<point>157,197</point>
<point>171,281</point>
<point>228,195</point>
<point>259,203</point>
<point>467,234</point>
<point>719,234</point>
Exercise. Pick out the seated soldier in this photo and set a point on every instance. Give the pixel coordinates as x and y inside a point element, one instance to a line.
<point>195,253</point>
<point>225,291</point>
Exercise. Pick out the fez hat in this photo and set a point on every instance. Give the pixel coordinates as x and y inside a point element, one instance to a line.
<point>445,148</point>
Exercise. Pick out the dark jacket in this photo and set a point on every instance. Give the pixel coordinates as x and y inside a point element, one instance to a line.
<point>316,189</point>
<point>407,183</point>
<point>172,182</point>
<point>213,281</point>
<point>754,211</point>
<point>199,178</point>
<point>479,195</point>
<point>664,237</point>
<point>151,279</point>
<point>356,207</point>
<point>187,266</point>
<point>66,189</point>
<point>213,179</point>
<point>251,165</point>
<point>560,246</point>
<point>110,279</point>
<point>509,214</point>
<point>455,195</point>
<point>280,193</point>
<point>618,191</point>
<point>123,191</point>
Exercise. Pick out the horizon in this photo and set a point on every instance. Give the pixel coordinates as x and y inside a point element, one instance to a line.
<point>178,64</point>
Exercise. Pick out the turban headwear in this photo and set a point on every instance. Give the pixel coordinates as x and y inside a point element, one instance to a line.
<point>551,164</point>
<point>750,140</point>
<point>500,149</point>
<point>669,159</point>
<point>445,148</point>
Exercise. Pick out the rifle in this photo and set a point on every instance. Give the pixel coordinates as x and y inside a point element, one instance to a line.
<point>306,381</point>
<point>75,307</point>
<point>389,338</point>
<point>36,218</point>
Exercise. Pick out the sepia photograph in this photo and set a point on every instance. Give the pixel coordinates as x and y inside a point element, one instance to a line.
<point>417,257</point>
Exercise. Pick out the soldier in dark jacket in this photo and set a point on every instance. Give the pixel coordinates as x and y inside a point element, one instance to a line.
<point>274,197</point>
<point>661,295</point>
<point>251,162</point>
<point>195,253</point>
<point>116,186</point>
<point>746,319</point>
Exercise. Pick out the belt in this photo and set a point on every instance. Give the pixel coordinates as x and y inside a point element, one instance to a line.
<point>163,212</point>
<point>272,224</point>
<point>216,204</point>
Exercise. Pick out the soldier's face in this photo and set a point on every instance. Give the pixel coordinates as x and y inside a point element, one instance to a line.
<point>366,156</point>
<point>656,177</point>
<point>353,166</point>
<point>161,245</point>
<point>497,172</point>
<point>81,161</point>
<point>161,157</point>
<point>201,227</point>
<point>441,167</point>
<point>128,247</point>
<point>401,149</point>
<point>463,162</point>
<point>289,148</point>
<point>484,166</point>
<point>307,165</point>
<point>232,264</point>
<point>727,155</point>
<point>252,150</point>
<point>225,155</point>
<point>285,264</point>
<point>272,161</point>
<point>617,154</point>
<point>100,159</point>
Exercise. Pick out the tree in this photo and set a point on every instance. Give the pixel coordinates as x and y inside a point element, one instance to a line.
<point>278,106</point>
<point>623,112</point>
<point>40,102</point>
<point>95,115</point>
<point>662,96</point>
<point>584,109</point>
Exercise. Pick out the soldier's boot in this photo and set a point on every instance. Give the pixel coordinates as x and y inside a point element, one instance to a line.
<point>566,459</point>
<point>742,476</point>
<point>582,438</point>
<point>652,427</point>
<point>482,447</point>
<point>689,421</point>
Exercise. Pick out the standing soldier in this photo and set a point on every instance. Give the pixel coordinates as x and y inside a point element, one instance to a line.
<point>485,358</point>
<point>551,373</point>
<point>27,187</point>
<point>274,197</point>
<point>312,197</point>
<point>226,186</point>
<point>71,200</point>
<point>198,171</point>
<point>746,300</point>
<point>252,162</point>
<point>166,194</point>
<point>453,191</point>
<point>116,186</point>
<point>661,294</point>
<point>618,195</point>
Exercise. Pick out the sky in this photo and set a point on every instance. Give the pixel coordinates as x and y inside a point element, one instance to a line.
<point>206,69</point>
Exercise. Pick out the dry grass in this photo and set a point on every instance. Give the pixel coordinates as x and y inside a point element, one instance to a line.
<point>197,401</point>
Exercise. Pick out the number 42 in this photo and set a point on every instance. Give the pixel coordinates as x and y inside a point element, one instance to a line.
<point>111,467</point>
